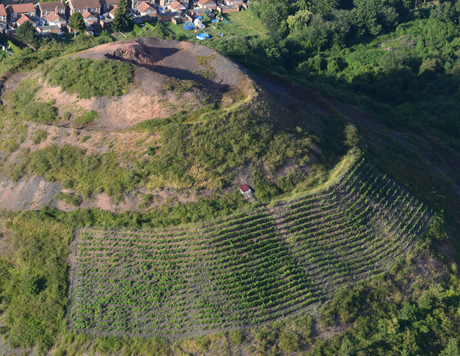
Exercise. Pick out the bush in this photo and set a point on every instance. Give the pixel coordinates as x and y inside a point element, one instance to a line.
<point>22,99</point>
<point>87,118</point>
<point>88,78</point>
<point>289,342</point>
<point>236,336</point>
<point>68,198</point>
<point>39,136</point>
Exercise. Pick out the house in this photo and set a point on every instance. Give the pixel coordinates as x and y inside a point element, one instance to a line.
<point>2,17</point>
<point>55,19</point>
<point>244,189</point>
<point>145,9</point>
<point>233,2</point>
<point>89,18</point>
<point>82,6</point>
<point>228,9</point>
<point>22,19</point>
<point>165,4</point>
<point>199,11</point>
<point>111,13</point>
<point>177,6</point>
<point>207,4</point>
<point>108,5</point>
<point>166,16</point>
<point>46,8</point>
<point>15,12</point>
<point>48,30</point>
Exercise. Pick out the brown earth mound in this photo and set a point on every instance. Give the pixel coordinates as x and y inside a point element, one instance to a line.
<point>169,76</point>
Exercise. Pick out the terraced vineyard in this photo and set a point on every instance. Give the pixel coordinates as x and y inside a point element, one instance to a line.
<point>244,269</point>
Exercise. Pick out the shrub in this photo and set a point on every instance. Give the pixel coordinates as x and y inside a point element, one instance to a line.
<point>88,78</point>
<point>68,198</point>
<point>87,118</point>
<point>236,336</point>
<point>289,342</point>
<point>39,136</point>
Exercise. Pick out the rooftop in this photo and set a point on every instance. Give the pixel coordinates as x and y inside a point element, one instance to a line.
<point>88,14</point>
<point>53,17</point>
<point>244,188</point>
<point>20,8</point>
<point>51,5</point>
<point>177,6</point>
<point>205,2</point>
<point>81,4</point>
<point>23,19</point>
<point>144,7</point>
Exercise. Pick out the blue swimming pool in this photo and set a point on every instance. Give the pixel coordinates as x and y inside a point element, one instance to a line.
<point>202,36</point>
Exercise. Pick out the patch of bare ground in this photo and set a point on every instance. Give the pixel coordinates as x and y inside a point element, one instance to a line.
<point>145,101</point>
<point>131,201</point>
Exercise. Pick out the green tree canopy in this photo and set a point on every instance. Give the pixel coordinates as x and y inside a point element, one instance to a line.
<point>26,33</point>
<point>76,22</point>
<point>121,21</point>
<point>451,349</point>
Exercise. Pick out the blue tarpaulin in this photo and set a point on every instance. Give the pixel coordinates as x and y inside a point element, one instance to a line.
<point>188,26</point>
<point>215,20</point>
<point>199,17</point>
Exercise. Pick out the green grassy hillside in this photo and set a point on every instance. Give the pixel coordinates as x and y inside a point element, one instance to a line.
<point>244,269</point>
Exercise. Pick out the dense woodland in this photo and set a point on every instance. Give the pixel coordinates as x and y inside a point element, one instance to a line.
<point>393,58</point>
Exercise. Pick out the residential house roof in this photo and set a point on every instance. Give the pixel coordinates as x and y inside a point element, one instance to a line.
<point>112,12</point>
<point>87,15</point>
<point>206,2</point>
<point>53,17</point>
<point>2,10</point>
<point>110,2</point>
<point>21,8</point>
<point>177,6</point>
<point>82,4</point>
<point>51,5</point>
<point>144,7</point>
<point>23,19</point>
<point>244,188</point>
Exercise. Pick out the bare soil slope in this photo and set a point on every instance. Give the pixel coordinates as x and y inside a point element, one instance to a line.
<point>198,74</point>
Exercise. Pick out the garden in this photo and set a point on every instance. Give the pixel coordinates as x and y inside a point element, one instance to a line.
<point>244,269</point>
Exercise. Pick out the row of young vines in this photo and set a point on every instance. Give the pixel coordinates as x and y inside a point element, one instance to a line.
<point>245,269</point>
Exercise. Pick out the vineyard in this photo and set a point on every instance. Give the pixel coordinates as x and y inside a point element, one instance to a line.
<point>244,269</point>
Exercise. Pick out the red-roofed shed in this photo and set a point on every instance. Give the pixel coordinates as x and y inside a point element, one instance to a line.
<point>244,189</point>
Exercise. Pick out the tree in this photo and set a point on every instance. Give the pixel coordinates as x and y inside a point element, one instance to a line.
<point>451,349</point>
<point>346,349</point>
<point>26,33</point>
<point>121,20</point>
<point>351,136</point>
<point>273,17</point>
<point>299,21</point>
<point>76,22</point>
<point>324,7</point>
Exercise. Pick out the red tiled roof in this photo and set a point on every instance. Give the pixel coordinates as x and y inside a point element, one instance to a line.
<point>29,7</point>
<point>23,19</point>
<point>82,4</point>
<point>2,10</point>
<point>112,12</point>
<point>111,2</point>
<point>88,14</point>
<point>144,7</point>
<point>51,5</point>
<point>53,17</point>
<point>176,5</point>
<point>206,2</point>
<point>244,188</point>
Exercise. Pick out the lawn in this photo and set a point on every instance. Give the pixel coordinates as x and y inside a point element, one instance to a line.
<point>239,24</point>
